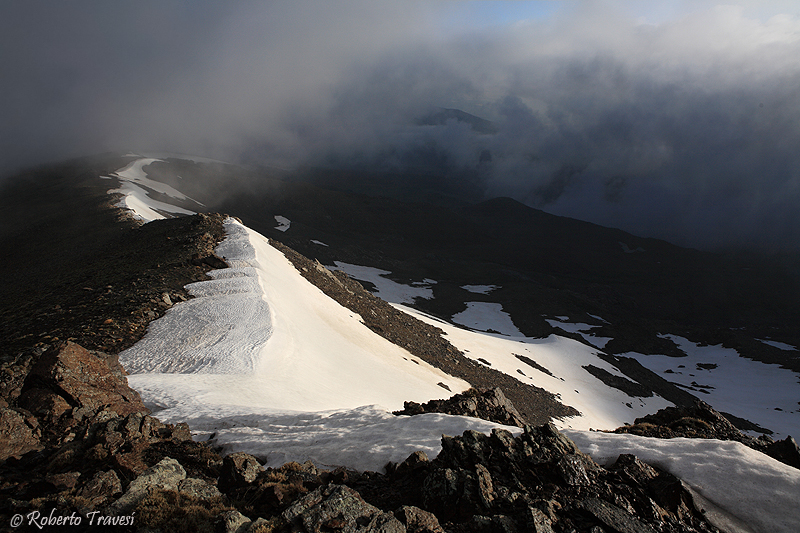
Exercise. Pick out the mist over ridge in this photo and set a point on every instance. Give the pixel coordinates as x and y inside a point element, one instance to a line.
<point>684,129</point>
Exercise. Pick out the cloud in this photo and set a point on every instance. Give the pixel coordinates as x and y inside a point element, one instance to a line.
<point>681,125</point>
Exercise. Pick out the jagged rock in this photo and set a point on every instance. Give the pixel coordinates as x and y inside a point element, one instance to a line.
<point>701,421</point>
<point>81,379</point>
<point>538,522</point>
<point>417,520</point>
<point>63,481</point>
<point>539,481</point>
<point>697,421</point>
<point>164,475</point>
<point>785,451</point>
<point>412,463</point>
<point>613,517</point>
<point>17,433</point>
<point>340,508</point>
<point>488,404</point>
<point>238,469</point>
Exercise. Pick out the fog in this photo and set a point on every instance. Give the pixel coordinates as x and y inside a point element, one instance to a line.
<point>676,123</point>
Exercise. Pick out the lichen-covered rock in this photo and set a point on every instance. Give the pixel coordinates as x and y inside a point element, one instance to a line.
<point>102,488</point>
<point>418,520</point>
<point>164,475</point>
<point>238,469</point>
<point>199,489</point>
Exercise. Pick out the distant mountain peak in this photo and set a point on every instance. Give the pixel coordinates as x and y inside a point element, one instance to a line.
<point>440,116</point>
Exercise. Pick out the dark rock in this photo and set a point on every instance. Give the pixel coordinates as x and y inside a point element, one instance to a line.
<point>785,451</point>
<point>702,421</point>
<point>613,517</point>
<point>340,508</point>
<point>238,469</point>
<point>489,404</point>
<point>101,489</point>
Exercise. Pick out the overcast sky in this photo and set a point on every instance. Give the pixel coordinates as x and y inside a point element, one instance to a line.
<point>673,119</point>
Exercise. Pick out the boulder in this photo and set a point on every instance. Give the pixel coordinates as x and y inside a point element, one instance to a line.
<point>17,433</point>
<point>69,375</point>
<point>238,469</point>
<point>337,507</point>
<point>167,474</point>
<point>104,486</point>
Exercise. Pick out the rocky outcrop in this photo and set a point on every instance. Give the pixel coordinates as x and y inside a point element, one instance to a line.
<point>539,482</point>
<point>701,421</point>
<point>488,404</point>
<point>70,380</point>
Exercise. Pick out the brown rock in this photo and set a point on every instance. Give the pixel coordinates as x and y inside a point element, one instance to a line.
<point>84,379</point>
<point>66,480</point>
<point>16,436</point>
<point>417,520</point>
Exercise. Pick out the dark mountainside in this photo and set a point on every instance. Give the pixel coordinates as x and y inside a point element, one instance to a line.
<point>75,438</point>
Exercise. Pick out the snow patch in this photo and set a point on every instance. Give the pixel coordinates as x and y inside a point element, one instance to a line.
<point>135,197</point>
<point>762,393</point>
<point>480,289</point>
<point>283,223</point>
<point>489,317</point>
<point>779,345</point>
<point>365,438</point>
<point>385,288</point>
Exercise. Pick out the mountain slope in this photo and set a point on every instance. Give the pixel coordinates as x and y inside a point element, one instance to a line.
<point>276,433</point>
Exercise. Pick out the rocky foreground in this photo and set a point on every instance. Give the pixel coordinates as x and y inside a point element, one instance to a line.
<point>79,443</point>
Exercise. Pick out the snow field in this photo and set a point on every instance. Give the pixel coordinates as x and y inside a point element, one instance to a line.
<point>763,393</point>
<point>304,385</point>
<point>752,492</point>
<point>601,406</point>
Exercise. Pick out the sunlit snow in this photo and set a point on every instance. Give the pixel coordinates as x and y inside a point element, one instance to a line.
<point>601,406</point>
<point>749,490</point>
<point>763,393</point>
<point>133,188</point>
<point>291,375</point>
